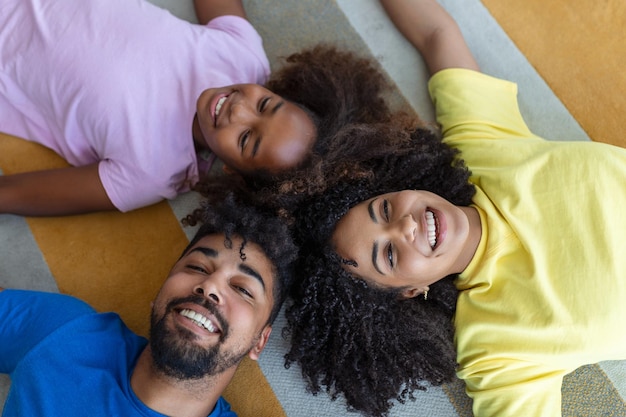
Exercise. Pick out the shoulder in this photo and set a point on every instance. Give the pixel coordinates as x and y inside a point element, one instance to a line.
<point>34,301</point>
<point>222,409</point>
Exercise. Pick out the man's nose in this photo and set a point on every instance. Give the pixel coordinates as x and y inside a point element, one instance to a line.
<point>211,287</point>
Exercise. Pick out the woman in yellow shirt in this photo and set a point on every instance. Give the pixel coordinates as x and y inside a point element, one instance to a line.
<point>407,277</point>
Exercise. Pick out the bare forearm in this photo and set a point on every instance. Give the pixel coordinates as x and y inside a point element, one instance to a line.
<point>54,192</point>
<point>210,9</point>
<point>432,31</point>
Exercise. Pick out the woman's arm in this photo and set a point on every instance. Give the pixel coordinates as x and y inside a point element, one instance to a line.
<point>433,32</point>
<point>55,192</point>
<point>209,9</point>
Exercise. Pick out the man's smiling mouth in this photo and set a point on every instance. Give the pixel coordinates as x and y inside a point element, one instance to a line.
<point>199,320</point>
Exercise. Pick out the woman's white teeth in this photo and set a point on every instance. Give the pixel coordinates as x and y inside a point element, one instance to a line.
<point>199,319</point>
<point>431,228</point>
<point>218,106</point>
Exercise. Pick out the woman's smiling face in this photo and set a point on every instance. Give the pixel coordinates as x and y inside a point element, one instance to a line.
<point>407,239</point>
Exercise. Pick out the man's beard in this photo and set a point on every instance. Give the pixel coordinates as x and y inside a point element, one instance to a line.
<point>176,355</point>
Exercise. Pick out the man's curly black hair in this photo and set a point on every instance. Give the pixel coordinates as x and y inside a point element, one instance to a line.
<point>356,339</point>
<point>233,215</point>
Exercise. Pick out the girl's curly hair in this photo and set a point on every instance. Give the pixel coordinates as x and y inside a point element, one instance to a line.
<point>344,95</point>
<point>356,339</point>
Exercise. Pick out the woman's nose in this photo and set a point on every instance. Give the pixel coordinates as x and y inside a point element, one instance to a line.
<point>407,227</point>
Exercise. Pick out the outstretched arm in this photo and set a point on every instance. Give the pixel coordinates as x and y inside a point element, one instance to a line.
<point>209,9</point>
<point>54,192</point>
<point>433,32</point>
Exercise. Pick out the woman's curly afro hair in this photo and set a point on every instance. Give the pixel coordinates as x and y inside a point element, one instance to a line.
<point>362,341</point>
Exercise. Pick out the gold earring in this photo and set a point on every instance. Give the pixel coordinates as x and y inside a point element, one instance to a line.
<point>426,295</point>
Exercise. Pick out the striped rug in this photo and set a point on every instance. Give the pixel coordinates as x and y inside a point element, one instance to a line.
<point>568,59</point>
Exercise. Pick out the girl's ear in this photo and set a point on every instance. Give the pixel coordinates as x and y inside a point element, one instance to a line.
<point>227,169</point>
<point>412,292</point>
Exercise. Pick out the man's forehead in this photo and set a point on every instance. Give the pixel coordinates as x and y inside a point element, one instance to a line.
<point>249,253</point>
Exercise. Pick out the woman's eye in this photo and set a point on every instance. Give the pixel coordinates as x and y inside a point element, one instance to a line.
<point>244,140</point>
<point>390,255</point>
<point>263,104</point>
<point>386,210</point>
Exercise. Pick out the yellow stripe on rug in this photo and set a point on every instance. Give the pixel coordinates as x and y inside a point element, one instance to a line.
<point>579,49</point>
<point>117,262</point>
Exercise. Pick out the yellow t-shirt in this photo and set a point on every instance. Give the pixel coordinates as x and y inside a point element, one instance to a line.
<point>546,291</point>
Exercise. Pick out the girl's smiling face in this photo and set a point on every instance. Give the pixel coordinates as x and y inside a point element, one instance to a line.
<point>250,128</point>
<point>407,239</point>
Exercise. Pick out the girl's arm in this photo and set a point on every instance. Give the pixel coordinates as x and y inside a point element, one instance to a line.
<point>209,9</point>
<point>433,32</point>
<point>55,192</point>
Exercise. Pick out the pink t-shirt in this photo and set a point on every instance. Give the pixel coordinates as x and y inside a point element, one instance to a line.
<point>116,81</point>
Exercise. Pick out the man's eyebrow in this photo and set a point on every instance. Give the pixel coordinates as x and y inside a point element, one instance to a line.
<point>273,111</point>
<point>211,253</point>
<point>253,273</point>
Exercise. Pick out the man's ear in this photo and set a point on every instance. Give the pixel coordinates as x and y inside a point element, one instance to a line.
<point>412,292</point>
<point>256,350</point>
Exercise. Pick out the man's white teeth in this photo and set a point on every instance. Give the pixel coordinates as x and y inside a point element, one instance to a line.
<point>431,229</point>
<point>218,106</point>
<point>199,319</point>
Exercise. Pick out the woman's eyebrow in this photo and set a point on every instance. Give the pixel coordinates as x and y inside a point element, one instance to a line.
<point>372,213</point>
<point>370,209</point>
<point>375,257</point>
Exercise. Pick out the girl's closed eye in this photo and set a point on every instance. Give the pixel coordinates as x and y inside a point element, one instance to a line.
<point>263,104</point>
<point>243,140</point>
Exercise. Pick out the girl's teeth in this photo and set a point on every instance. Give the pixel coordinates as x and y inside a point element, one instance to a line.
<point>218,106</point>
<point>431,229</point>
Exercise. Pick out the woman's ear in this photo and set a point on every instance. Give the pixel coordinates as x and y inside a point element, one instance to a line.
<point>412,292</point>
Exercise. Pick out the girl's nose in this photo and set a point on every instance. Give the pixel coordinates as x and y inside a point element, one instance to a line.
<point>241,112</point>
